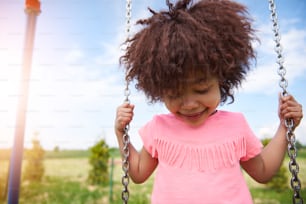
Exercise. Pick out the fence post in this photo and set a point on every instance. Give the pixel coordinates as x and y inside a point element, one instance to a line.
<point>111,183</point>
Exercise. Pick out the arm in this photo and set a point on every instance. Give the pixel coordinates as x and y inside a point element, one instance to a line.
<point>141,164</point>
<point>265,165</point>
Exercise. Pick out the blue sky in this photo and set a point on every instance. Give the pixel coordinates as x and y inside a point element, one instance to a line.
<point>76,82</point>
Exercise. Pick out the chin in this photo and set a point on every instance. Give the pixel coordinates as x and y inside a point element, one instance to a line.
<point>195,123</point>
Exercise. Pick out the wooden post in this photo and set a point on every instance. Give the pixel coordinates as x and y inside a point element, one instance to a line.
<point>111,183</point>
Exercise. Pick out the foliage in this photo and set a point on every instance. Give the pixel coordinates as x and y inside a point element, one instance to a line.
<point>265,141</point>
<point>114,152</point>
<point>66,185</point>
<point>2,188</point>
<point>280,180</point>
<point>34,169</point>
<point>98,160</point>
<point>63,154</point>
<point>299,145</point>
<point>56,148</point>
<point>301,153</point>
<point>264,196</point>
<point>59,191</point>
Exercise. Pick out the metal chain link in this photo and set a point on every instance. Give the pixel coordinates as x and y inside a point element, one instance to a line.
<point>125,138</point>
<point>289,123</point>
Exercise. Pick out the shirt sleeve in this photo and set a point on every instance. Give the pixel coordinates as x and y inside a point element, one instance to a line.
<point>252,143</point>
<point>147,133</point>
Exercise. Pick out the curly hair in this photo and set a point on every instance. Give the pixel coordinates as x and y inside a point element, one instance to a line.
<point>211,37</point>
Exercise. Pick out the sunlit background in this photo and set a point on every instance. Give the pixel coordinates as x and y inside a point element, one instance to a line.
<point>76,82</point>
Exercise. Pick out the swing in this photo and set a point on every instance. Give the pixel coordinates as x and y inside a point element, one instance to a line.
<point>283,83</point>
<point>126,138</point>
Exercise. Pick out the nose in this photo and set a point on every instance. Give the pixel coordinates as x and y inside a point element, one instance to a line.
<point>189,102</point>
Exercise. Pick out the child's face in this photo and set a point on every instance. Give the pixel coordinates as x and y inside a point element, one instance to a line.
<point>196,102</point>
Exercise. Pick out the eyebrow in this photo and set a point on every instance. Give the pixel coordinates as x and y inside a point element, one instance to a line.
<point>199,80</point>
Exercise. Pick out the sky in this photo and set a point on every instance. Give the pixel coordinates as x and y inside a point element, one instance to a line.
<point>76,82</point>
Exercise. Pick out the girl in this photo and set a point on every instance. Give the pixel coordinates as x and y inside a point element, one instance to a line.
<point>191,58</point>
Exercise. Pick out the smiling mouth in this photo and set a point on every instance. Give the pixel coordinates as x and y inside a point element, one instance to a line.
<point>194,115</point>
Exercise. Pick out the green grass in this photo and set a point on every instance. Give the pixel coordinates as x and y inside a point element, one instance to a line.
<point>62,191</point>
<point>67,154</point>
<point>267,196</point>
<point>65,182</point>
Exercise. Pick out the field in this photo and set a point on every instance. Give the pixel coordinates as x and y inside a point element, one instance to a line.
<point>65,183</point>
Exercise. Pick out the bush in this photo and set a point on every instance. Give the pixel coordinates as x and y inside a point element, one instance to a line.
<point>99,155</point>
<point>34,169</point>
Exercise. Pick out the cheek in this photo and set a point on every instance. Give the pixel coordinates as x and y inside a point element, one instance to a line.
<point>171,106</point>
<point>214,99</point>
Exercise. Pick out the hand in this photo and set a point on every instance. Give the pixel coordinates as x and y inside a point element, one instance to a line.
<point>124,116</point>
<point>290,108</point>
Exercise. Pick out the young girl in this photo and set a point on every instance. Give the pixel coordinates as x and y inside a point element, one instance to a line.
<point>191,58</point>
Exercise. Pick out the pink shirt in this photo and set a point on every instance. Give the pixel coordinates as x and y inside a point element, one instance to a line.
<point>200,165</point>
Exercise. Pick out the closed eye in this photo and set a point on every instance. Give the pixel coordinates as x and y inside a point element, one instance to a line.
<point>203,91</point>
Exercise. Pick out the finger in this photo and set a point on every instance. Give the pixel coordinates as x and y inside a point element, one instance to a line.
<point>127,105</point>
<point>292,112</point>
<point>123,120</point>
<point>287,99</point>
<point>127,108</point>
<point>124,115</point>
<point>291,106</point>
<point>290,102</point>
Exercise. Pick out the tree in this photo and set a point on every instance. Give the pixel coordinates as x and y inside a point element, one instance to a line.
<point>34,169</point>
<point>99,155</point>
<point>299,145</point>
<point>56,149</point>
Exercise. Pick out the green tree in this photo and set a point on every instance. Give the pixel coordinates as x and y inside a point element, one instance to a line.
<point>99,155</point>
<point>34,169</point>
<point>299,145</point>
<point>280,180</point>
<point>56,149</point>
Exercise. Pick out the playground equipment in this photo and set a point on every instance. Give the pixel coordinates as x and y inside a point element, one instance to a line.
<point>283,83</point>
<point>32,9</point>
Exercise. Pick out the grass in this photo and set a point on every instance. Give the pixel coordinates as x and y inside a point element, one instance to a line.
<point>65,183</point>
<point>62,191</point>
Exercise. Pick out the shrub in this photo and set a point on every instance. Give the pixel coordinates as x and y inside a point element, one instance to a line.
<point>99,155</point>
<point>34,169</point>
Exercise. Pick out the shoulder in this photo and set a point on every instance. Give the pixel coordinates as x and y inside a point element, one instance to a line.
<point>164,119</point>
<point>164,123</point>
<point>221,114</point>
<point>160,120</point>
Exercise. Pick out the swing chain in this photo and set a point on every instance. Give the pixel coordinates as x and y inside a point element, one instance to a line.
<point>128,16</point>
<point>125,138</point>
<point>290,136</point>
<point>126,152</point>
<point>125,166</point>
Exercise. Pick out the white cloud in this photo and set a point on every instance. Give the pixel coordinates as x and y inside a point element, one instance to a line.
<point>301,132</point>
<point>264,78</point>
<point>110,55</point>
<point>269,131</point>
<point>74,56</point>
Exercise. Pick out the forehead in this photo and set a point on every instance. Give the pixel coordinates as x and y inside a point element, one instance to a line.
<point>200,80</point>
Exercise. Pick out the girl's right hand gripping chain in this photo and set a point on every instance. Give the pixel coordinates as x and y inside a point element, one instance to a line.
<point>124,116</point>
